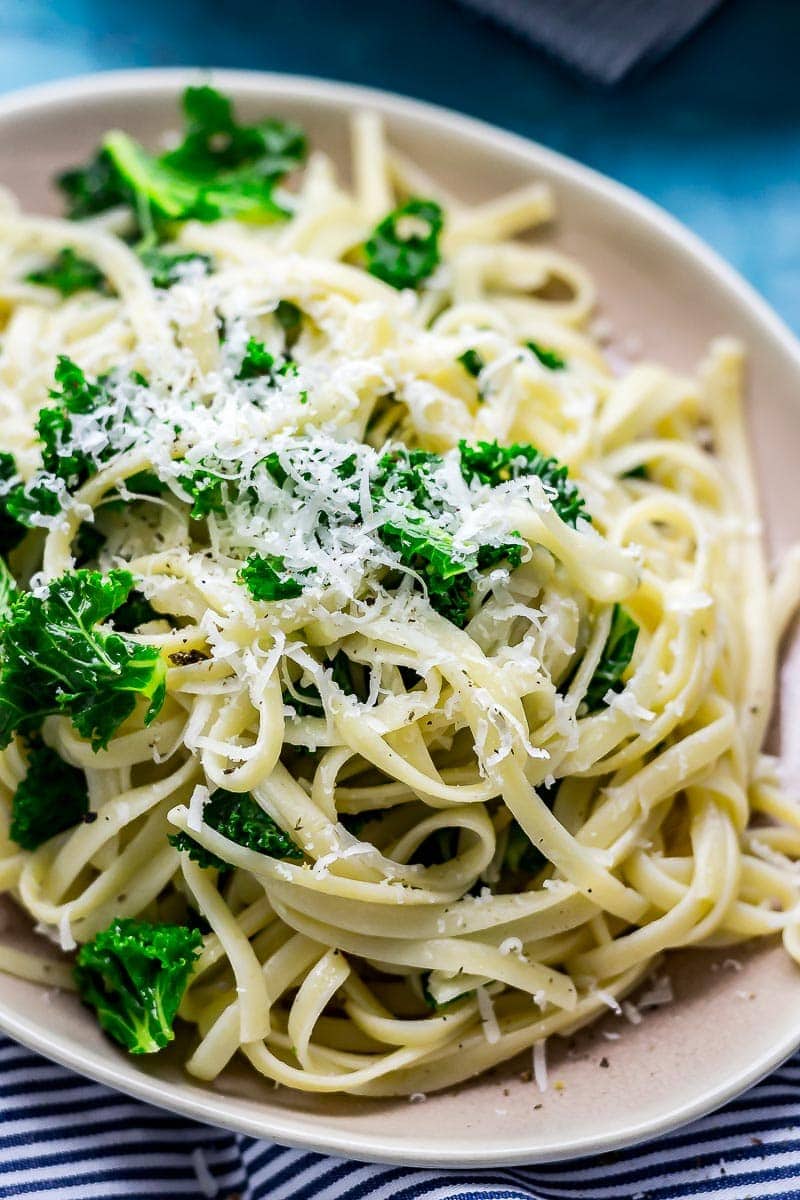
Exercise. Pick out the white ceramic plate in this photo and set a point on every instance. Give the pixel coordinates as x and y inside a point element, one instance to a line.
<point>730,1024</point>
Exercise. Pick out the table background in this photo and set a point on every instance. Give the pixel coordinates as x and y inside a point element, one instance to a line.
<point>713,133</point>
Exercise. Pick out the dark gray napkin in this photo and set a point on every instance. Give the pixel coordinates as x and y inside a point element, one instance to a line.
<point>604,39</point>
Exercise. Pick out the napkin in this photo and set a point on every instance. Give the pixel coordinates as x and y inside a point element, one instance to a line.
<point>69,1139</point>
<point>604,39</point>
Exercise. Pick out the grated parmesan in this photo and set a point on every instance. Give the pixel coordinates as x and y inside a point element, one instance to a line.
<point>631,1013</point>
<point>540,1064</point>
<point>199,799</point>
<point>65,937</point>
<point>491,1029</point>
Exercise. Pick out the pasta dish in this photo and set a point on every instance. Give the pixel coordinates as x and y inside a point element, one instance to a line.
<point>384,663</point>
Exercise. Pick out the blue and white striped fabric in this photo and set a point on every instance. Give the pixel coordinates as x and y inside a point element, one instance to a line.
<point>73,1140</point>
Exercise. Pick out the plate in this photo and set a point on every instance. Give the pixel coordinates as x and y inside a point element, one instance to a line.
<point>736,1015</point>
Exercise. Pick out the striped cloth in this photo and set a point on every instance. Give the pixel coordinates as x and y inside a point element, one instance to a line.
<point>73,1140</point>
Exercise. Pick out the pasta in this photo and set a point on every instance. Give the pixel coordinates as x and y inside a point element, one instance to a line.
<point>485,828</point>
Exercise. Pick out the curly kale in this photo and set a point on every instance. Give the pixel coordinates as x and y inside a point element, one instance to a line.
<point>133,974</point>
<point>472,362</point>
<point>220,169</point>
<point>205,490</point>
<point>266,578</point>
<point>51,798</point>
<point>548,358</point>
<point>92,188</point>
<point>64,465</point>
<point>56,657</point>
<point>403,249</point>
<point>69,273</point>
<point>493,464</point>
<point>237,817</point>
<point>614,661</point>
<point>290,319</point>
<point>167,268</point>
<point>135,611</point>
<point>257,361</point>
<point>422,542</point>
<point>8,592</point>
<point>521,859</point>
<point>12,531</point>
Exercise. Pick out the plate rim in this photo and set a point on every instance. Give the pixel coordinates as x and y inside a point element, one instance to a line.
<point>305,1130</point>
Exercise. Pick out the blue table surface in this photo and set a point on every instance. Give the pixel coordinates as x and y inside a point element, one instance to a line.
<point>712,133</point>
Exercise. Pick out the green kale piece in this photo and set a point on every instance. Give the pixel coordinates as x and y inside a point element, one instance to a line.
<point>8,593</point>
<point>548,358</point>
<point>472,362</point>
<point>422,543</point>
<point>69,273</point>
<point>133,974</point>
<point>51,798</point>
<point>12,531</point>
<point>239,818</point>
<point>290,319</point>
<point>62,462</point>
<point>89,541</point>
<point>403,249</point>
<point>430,552</point>
<point>215,142</point>
<point>220,169</point>
<point>166,267</point>
<point>204,488</point>
<point>56,657</point>
<point>133,612</point>
<point>257,361</point>
<point>266,579</point>
<point>521,856</point>
<point>93,188</point>
<point>493,464</point>
<point>616,656</point>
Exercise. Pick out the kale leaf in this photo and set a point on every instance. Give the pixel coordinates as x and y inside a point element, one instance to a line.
<point>61,461</point>
<point>257,361</point>
<point>204,488</point>
<point>472,362</point>
<point>55,657</point>
<point>239,818</point>
<point>133,974</point>
<point>547,357</point>
<point>220,169</point>
<point>290,319</point>
<point>166,267</point>
<point>266,579</point>
<point>92,188</point>
<point>616,656</point>
<point>89,541</point>
<point>493,464</point>
<point>8,592</point>
<point>421,541</point>
<point>51,798</point>
<point>69,273</point>
<point>12,531</point>
<point>403,249</point>
<point>133,612</point>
